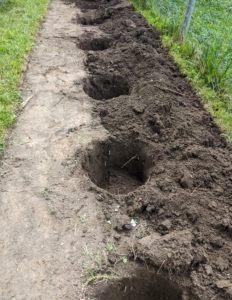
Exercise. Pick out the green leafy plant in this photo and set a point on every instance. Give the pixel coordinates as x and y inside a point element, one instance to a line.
<point>110,247</point>
<point>125,260</point>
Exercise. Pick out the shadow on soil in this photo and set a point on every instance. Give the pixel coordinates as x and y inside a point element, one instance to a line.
<point>145,286</point>
<point>106,87</point>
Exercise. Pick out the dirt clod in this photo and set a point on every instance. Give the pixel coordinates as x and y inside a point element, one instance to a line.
<point>187,181</point>
<point>177,256</point>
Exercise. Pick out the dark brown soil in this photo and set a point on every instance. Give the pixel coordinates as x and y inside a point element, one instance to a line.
<point>178,176</point>
<point>106,86</point>
<point>118,167</point>
<point>96,44</point>
<point>146,286</point>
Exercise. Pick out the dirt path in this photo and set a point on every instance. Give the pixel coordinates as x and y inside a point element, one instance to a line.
<point>114,169</point>
<point>44,208</point>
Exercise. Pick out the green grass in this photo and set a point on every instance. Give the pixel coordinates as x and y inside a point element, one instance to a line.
<point>206,55</point>
<point>19,21</point>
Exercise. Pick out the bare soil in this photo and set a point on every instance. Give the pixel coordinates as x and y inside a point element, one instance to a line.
<point>114,169</point>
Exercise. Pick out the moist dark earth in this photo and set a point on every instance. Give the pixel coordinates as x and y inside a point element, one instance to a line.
<point>165,165</point>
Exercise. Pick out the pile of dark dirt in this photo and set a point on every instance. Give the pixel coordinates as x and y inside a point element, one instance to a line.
<point>178,172</point>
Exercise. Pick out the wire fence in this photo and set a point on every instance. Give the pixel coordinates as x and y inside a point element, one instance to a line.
<point>209,38</point>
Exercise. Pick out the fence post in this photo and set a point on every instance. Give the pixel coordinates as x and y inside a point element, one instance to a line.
<point>187,19</point>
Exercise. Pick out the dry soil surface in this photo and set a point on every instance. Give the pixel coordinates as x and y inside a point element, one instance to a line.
<point>116,183</point>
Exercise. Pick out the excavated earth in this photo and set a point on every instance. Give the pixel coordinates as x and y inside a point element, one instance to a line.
<point>178,176</point>
<point>142,190</point>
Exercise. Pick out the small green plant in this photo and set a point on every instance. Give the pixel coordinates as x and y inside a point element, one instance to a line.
<point>99,277</point>
<point>90,273</point>
<point>125,260</point>
<point>94,265</point>
<point>110,247</point>
<point>82,218</point>
<point>46,193</point>
<point>42,191</point>
<point>87,251</point>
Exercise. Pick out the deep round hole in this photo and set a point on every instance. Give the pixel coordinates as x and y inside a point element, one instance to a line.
<point>95,44</point>
<point>89,4</point>
<point>91,18</point>
<point>105,87</point>
<point>146,286</point>
<point>117,167</point>
<point>94,17</point>
<point>96,4</point>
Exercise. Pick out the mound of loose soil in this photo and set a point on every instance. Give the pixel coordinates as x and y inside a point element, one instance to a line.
<point>165,162</point>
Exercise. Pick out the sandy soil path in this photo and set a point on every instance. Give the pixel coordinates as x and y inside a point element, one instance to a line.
<point>43,209</point>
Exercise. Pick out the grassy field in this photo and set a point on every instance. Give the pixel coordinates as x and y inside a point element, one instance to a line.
<point>206,54</point>
<point>19,21</point>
